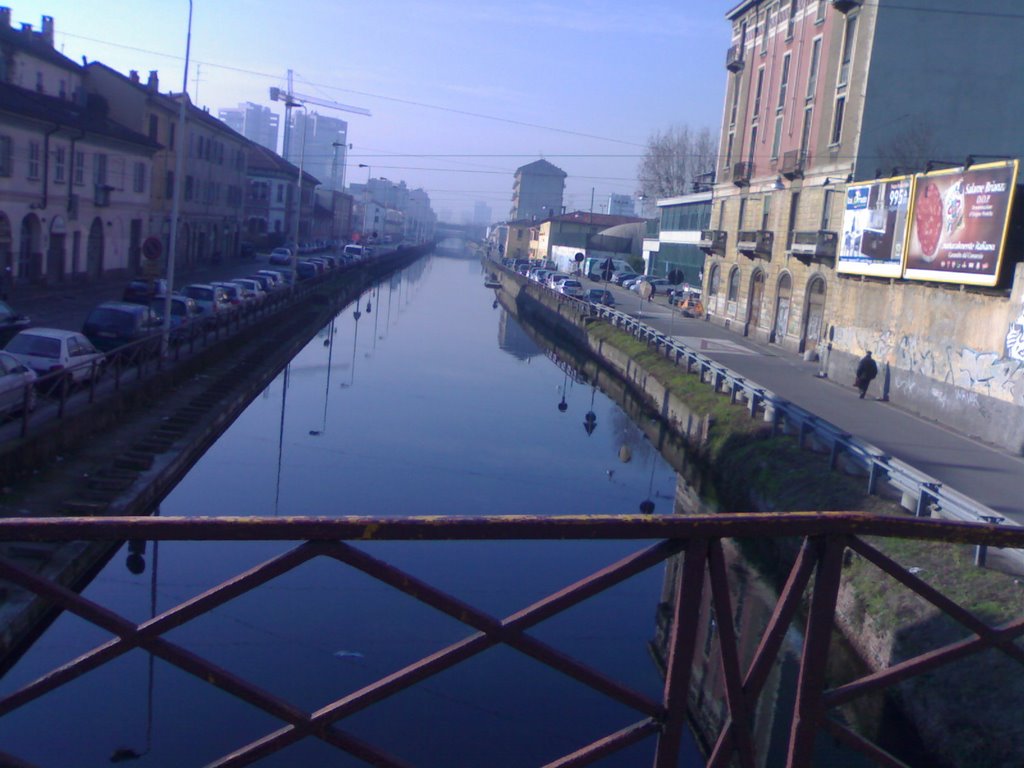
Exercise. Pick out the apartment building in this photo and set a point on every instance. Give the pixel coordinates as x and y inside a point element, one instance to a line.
<point>537,191</point>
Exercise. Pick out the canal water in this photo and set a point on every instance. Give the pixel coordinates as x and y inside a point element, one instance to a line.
<point>433,402</point>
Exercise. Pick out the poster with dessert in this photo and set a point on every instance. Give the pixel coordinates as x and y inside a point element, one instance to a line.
<point>875,227</point>
<point>958,224</point>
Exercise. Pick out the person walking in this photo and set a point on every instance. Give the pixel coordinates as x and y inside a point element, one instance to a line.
<point>867,369</point>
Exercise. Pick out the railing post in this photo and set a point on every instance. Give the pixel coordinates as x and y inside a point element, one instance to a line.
<point>926,494</point>
<point>981,550</point>
<point>689,593</point>
<point>807,711</point>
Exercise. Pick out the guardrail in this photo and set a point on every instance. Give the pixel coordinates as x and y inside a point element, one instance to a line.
<point>924,494</point>
<point>54,395</point>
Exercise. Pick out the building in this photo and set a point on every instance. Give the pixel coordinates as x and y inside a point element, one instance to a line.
<point>672,242</point>
<point>481,214</point>
<point>537,191</point>
<point>257,123</point>
<point>621,205</point>
<point>74,182</point>
<point>560,238</point>
<point>322,143</point>
<point>269,213</point>
<point>825,93</point>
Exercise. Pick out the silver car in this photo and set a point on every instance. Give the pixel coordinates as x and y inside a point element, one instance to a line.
<point>17,381</point>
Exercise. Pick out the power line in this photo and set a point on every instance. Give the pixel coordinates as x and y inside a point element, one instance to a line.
<point>424,105</point>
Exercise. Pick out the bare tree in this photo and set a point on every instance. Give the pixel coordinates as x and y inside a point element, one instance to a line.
<point>908,150</point>
<point>674,159</point>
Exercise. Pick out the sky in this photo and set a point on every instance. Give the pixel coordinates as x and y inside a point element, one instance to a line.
<point>462,92</point>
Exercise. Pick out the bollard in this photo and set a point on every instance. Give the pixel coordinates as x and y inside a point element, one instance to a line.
<point>981,550</point>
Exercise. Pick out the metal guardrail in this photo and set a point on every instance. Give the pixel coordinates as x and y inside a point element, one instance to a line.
<point>929,496</point>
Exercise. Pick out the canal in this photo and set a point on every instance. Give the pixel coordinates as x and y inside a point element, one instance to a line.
<point>426,400</point>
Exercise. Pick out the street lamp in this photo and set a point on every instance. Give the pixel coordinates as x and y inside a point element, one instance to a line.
<point>179,165</point>
<point>298,197</point>
<point>366,196</point>
<point>334,165</point>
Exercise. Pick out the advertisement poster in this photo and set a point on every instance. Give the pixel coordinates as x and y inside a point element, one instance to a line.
<point>875,228</point>
<point>958,224</point>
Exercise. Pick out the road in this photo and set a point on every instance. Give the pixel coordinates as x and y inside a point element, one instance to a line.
<point>982,472</point>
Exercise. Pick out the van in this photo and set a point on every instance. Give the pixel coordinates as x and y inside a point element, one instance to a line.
<point>353,250</point>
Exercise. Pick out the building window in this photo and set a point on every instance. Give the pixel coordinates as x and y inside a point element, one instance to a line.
<point>99,168</point>
<point>280,192</point>
<point>734,285</point>
<point>784,81</point>
<point>721,213</point>
<point>769,15</point>
<point>794,6</point>
<point>794,209</point>
<point>189,187</point>
<point>820,13</point>
<point>170,135</point>
<point>154,124</point>
<point>5,155</point>
<point>79,165</point>
<point>766,209</point>
<point>139,178</point>
<point>169,185</point>
<point>735,99</point>
<point>805,133</point>
<point>837,120</point>
<point>826,209</point>
<point>812,72</point>
<point>59,165</point>
<point>777,139</point>
<point>849,36</point>
<point>33,159</point>
<point>728,150</point>
<point>757,91</point>
<point>743,212</point>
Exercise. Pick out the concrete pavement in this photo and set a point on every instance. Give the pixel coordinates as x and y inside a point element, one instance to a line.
<point>982,472</point>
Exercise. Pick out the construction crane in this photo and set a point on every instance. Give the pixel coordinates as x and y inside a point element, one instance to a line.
<point>293,99</point>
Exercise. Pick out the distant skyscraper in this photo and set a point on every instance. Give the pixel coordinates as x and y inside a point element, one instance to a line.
<point>257,123</point>
<point>621,205</point>
<point>321,157</point>
<point>537,191</point>
<point>481,214</point>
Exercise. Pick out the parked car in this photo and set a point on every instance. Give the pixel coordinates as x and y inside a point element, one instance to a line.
<point>600,296</point>
<point>619,277</point>
<point>280,256</point>
<point>233,291</point>
<point>306,270</point>
<point>142,291</point>
<point>46,350</point>
<point>11,322</point>
<point>269,283</point>
<point>354,250</point>
<point>186,316</point>
<point>631,282</point>
<point>115,323</point>
<point>17,380</point>
<point>571,287</point>
<point>274,275</point>
<point>555,278</point>
<point>212,300</point>
<point>661,285</point>
<point>253,291</point>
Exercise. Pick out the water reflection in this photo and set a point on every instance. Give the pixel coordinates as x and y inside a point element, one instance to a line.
<point>441,420</point>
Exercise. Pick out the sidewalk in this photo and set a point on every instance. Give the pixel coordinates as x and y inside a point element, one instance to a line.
<point>984,473</point>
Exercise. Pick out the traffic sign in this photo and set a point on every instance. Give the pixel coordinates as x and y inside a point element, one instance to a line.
<point>152,248</point>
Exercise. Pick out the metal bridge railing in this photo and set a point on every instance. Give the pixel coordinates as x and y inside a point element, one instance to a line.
<point>702,580</point>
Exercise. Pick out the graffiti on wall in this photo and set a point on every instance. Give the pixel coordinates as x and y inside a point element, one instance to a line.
<point>1015,338</point>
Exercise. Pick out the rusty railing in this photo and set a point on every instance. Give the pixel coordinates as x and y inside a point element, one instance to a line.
<point>702,577</point>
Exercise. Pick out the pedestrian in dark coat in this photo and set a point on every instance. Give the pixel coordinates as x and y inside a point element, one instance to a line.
<point>867,369</point>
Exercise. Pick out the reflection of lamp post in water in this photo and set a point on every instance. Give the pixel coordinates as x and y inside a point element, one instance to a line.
<point>280,439</point>
<point>329,343</point>
<point>563,406</point>
<point>590,419</point>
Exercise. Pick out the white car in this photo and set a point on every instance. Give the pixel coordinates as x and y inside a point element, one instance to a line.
<point>46,350</point>
<point>570,287</point>
<point>17,388</point>
<point>555,278</point>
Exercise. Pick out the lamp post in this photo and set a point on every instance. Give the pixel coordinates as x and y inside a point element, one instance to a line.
<point>298,197</point>
<point>179,164</point>
<point>366,195</point>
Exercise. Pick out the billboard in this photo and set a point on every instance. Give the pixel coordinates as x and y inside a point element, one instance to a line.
<point>875,227</point>
<point>958,224</point>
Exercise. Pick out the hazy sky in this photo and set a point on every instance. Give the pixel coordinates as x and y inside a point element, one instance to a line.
<point>462,92</point>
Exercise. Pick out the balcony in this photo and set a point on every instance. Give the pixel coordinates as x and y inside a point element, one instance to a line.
<point>712,241</point>
<point>793,163</point>
<point>755,243</point>
<point>845,6</point>
<point>741,173</point>
<point>814,245</point>
<point>734,58</point>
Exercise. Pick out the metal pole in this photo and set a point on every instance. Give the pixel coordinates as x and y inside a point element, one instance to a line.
<point>179,163</point>
<point>298,196</point>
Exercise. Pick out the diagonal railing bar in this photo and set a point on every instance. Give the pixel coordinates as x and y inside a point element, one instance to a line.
<point>920,664</point>
<point>353,746</point>
<point>510,630</point>
<point>736,700</point>
<point>608,745</point>
<point>682,644</point>
<point>936,598</point>
<point>135,635</point>
<point>771,641</point>
<point>807,712</point>
<point>130,636</point>
<point>857,742</point>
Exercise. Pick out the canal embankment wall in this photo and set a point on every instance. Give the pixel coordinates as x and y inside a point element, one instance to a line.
<point>879,624</point>
<point>123,455</point>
